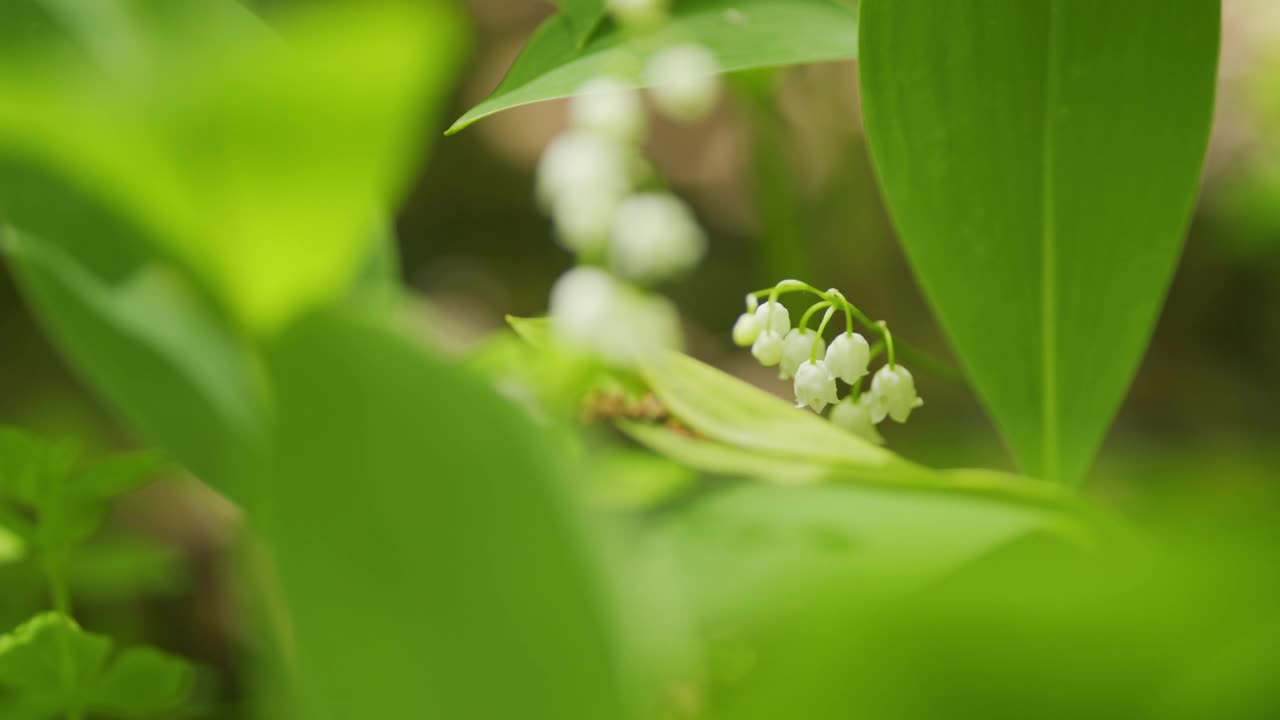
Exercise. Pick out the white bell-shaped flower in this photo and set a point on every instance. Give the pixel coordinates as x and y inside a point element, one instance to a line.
<point>685,81</point>
<point>593,312</point>
<point>893,394</point>
<point>577,163</point>
<point>640,13</point>
<point>584,302</point>
<point>584,219</point>
<point>773,316</point>
<point>848,356</point>
<point>796,347</point>
<point>746,330</point>
<point>767,348</point>
<point>815,385</point>
<point>855,417</point>
<point>655,236</point>
<point>609,107</point>
<point>645,326</point>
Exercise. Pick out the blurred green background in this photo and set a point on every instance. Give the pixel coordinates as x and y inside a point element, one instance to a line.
<point>785,190</point>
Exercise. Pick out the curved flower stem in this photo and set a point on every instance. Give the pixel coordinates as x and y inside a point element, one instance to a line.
<point>888,342</point>
<point>813,350</point>
<point>804,319</point>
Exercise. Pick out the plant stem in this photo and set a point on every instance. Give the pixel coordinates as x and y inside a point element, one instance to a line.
<point>804,319</point>
<point>813,350</point>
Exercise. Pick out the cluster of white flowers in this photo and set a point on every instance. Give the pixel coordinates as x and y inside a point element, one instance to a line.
<point>606,206</point>
<point>803,354</point>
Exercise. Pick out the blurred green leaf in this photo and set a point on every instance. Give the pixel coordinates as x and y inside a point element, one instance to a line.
<point>116,474</point>
<point>53,505</point>
<point>426,542</point>
<point>12,546</point>
<point>743,34</point>
<point>709,456</point>
<point>141,682</point>
<point>535,331</point>
<point>51,666</point>
<point>764,564</point>
<point>158,354</point>
<point>1041,159</point>
<point>623,479</point>
<point>263,167</point>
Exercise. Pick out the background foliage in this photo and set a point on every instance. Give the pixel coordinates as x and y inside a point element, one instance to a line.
<point>208,215</point>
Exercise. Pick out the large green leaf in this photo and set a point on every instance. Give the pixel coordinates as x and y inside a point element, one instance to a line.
<point>156,353</point>
<point>1040,159</point>
<point>582,17</point>
<point>263,167</point>
<point>427,546</point>
<point>743,34</point>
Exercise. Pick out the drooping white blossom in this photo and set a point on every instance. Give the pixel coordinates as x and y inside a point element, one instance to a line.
<point>773,316</point>
<point>655,236</point>
<point>578,162</point>
<point>685,81</point>
<point>594,312</point>
<point>583,303</point>
<point>609,107</point>
<point>767,348</point>
<point>848,356</point>
<point>746,330</point>
<point>893,394</point>
<point>815,386</point>
<point>796,348</point>
<point>584,219</point>
<point>855,417</point>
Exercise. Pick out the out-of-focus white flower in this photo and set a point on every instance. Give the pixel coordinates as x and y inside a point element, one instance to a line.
<point>579,162</point>
<point>584,302</point>
<point>592,311</point>
<point>855,417</point>
<point>645,327</point>
<point>745,330</point>
<point>584,219</point>
<point>848,356</point>
<point>893,394</point>
<point>685,81</point>
<point>815,386</point>
<point>641,13</point>
<point>610,108</point>
<point>655,236</point>
<point>796,347</point>
<point>773,316</point>
<point>768,348</point>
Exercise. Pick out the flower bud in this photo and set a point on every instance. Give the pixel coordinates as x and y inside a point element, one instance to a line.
<point>768,348</point>
<point>684,80</point>
<point>745,330</point>
<point>893,392</point>
<point>610,108</point>
<point>855,417</point>
<point>773,316</point>
<point>848,356</point>
<point>639,13</point>
<point>815,386</point>
<point>578,163</point>
<point>655,236</point>
<point>796,347</point>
